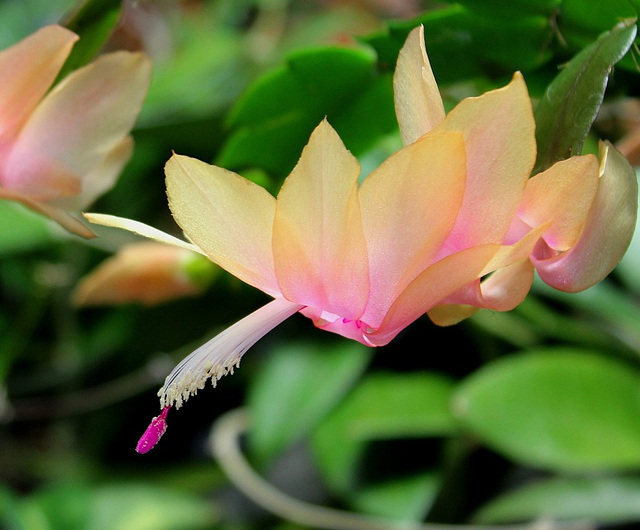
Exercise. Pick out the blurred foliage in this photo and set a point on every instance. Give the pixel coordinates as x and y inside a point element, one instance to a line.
<point>506,417</point>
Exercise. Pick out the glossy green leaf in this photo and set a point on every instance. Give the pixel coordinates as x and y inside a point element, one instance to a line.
<point>463,44</point>
<point>272,122</point>
<point>570,104</point>
<point>295,388</point>
<point>556,408</point>
<point>512,8</point>
<point>93,21</point>
<point>605,500</point>
<point>383,406</point>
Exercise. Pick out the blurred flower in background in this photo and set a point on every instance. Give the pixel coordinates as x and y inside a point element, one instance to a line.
<point>62,148</point>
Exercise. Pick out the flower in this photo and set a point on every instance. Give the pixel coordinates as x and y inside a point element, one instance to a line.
<point>449,223</point>
<point>591,208</point>
<point>61,148</point>
<point>148,273</point>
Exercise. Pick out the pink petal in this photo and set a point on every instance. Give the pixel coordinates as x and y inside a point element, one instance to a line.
<point>28,69</point>
<point>319,250</point>
<point>229,217</point>
<point>607,233</point>
<point>418,103</point>
<point>499,134</point>
<point>409,205</point>
<point>562,194</point>
<point>81,121</point>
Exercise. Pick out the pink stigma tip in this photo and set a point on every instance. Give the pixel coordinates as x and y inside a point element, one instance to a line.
<point>154,432</point>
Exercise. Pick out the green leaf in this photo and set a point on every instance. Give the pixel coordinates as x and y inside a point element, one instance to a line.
<point>463,44</point>
<point>273,120</point>
<point>406,499</point>
<point>556,408</point>
<point>382,406</point>
<point>599,499</point>
<point>571,102</point>
<point>93,21</point>
<point>297,386</point>
<point>511,8</point>
<point>22,229</point>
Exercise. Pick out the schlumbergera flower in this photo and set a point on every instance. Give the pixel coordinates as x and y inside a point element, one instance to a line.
<point>450,223</point>
<point>61,148</point>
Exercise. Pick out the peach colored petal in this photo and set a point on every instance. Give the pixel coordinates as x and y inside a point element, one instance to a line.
<point>563,194</point>
<point>229,217</point>
<point>418,103</point>
<point>409,205</point>
<point>431,287</point>
<point>607,233</point>
<point>499,134</point>
<point>450,314</point>
<point>319,250</point>
<point>64,219</point>
<point>148,273</point>
<point>28,69</point>
<point>141,229</point>
<point>82,120</point>
<point>100,179</point>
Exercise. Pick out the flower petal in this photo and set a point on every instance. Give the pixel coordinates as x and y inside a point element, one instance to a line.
<point>418,103</point>
<point>141,229</point>
<point>607,233</point>
<point>81,121</point>
<point>409,205</point>
<point>28,69</point>
<point>563,194</point>
<point>319,249</point>
<point>64,219</point>
<point>229,217</point>
<point>499,134</point>
<point>431,287</point>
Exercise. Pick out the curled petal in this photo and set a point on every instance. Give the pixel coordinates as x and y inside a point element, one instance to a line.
<point>63,218</point>
<point>505,289</point>
<point>607,232</point>
<point>28,70</point>
<point>499,135</point>
<point>80,122</point>
<point>562,194</point>
<point>319,248</point>
<point>229,217</point>
<point>418,103</point>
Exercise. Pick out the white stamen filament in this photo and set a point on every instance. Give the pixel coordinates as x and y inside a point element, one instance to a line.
<point>222,354</point>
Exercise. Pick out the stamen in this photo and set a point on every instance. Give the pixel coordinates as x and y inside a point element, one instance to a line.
<point>154,432</point>
<point>222,354</point>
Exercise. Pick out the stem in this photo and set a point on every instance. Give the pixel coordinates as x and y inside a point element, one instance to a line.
<point>225,446</point>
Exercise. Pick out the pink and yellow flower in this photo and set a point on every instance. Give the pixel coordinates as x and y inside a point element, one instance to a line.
<point>61,148</point>
<point>449,223</point>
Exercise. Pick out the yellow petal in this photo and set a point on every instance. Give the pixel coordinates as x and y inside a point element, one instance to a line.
<point>409,204</point>
<point>79,123</point>
<point>229,217</point>
<point>418,102</point>
<point>607,233</point>
<point>319,249</point>
<point>562,194</point>
<point>28,69</point>
<point>499,134</point>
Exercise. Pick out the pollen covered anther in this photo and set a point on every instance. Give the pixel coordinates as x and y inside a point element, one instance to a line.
<point>154,432</point>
